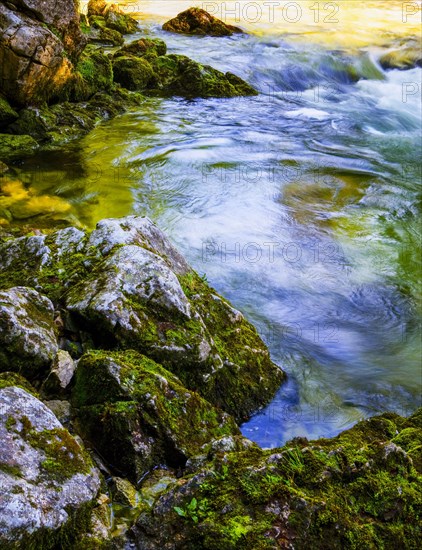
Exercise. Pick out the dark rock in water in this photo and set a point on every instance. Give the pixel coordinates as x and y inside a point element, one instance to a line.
<point>104,37</point>
<point>27,338</point>
<point>48,482</point>
<point>402,59</point>
<point>138,415</point>
<point>357,490</point>
<point>180,75</point>
<point>199,22</point>
<point>143,65</point>
<point>129,287</point>
<point>34,66</point>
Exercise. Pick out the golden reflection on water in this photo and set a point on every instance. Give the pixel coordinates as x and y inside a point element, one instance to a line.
<point>346,23</point>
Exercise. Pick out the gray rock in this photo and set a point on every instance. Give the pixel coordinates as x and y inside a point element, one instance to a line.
<point>27,337</point>
<point>47,479</point>
<point>62,16</point>
<point>60,375</point>
<point>138,231</point>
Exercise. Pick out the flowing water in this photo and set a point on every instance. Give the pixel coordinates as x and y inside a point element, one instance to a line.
<point>301,205</point>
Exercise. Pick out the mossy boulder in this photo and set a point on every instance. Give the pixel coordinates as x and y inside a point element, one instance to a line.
<point>143,47</point>
<point>95,72</point>
<point>128,287</point>
<point>16,146</point>
<point>132,73</point>
<point>8,379</point>
<point>113,17</point>
<point>121,22</point>
<point>28,342</point>
<point>144,65</point>
<point>357,490</point>
<point>199,22</point>
<point>138,415</point>
<point>48,482</point>
<point>7,114</point>
<point>97,21</point>
<point>180,75</point>
<point>173,316</point>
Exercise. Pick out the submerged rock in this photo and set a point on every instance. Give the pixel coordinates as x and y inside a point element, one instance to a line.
<point>27,337</point>
<point>48,482</point>
<point>138,415</point>
<point>357,490</point>
<point>198,21</point>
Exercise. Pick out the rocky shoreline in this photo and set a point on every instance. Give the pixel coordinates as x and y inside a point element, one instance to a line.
<point>148,371</point>
<point>123,375</point>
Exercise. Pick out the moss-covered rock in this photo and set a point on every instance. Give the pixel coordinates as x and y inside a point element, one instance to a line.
<point>170,314</point>
<point>15,147</point>
<point>143,47</point>
<point>144,65</point>
<point>48,482</point>
<point>7,114</point>
<point>27,337</point>
<point>132,73</point>
<point>95,72</point>
<point>358,490</point>
<point>8,379</point>
<point>121,22</point>
<point>137,414</point>
<point>60,123</point>
<point>180,75</point>
<point>199,22</point>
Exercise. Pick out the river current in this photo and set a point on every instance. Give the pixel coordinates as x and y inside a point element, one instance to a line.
<point>301,205</point>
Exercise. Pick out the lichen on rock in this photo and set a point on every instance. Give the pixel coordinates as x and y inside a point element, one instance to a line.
<point>48,482</point>
<point>27,336</point>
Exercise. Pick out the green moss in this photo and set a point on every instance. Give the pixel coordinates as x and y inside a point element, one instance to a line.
<point>132,73</point>
<point>63,456</point>
<point>121,22</point>
<point>14,147</point>
<point>8,379</point>
<point>7,114</point>
<point>94,67</point>
<point>10,469</point>
<point>354,491</point>
<point>142,398</point>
